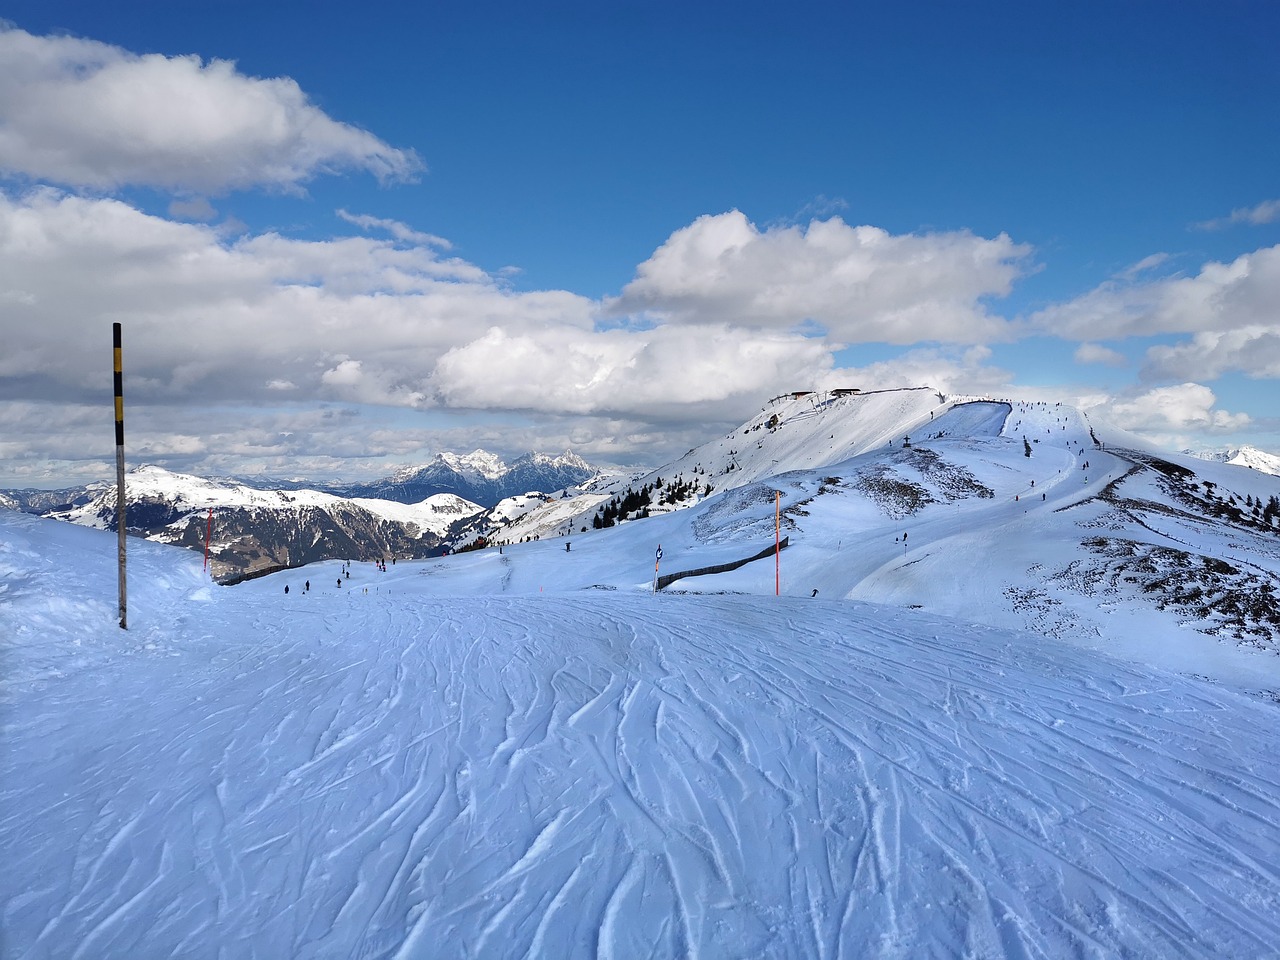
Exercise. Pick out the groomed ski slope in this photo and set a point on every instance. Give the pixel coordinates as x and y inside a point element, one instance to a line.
<point>607,773</point>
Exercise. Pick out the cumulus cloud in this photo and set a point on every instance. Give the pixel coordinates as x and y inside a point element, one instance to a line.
<point>1253,350</point>
<point>1266,212</point>
<point>385,321</point>
<point>1221,297</point>
<point>226,321</point>
<point>328,350</point>
<point>1175,411</point>
<point>1096,353</point>
<point>659,371</point>
<point>861,284</point>
<point>211,320</point>
<point>86,114</point>
<point>192,208</point>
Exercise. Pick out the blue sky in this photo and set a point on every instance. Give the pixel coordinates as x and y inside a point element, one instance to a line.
<point>592,225</point>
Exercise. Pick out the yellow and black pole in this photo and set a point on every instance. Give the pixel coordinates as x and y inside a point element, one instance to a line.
<point>120,524</point>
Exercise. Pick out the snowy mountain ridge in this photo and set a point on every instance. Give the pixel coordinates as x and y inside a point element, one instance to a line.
<point>479,464</point>
<point>1245,456</point>
<point>183,493</point>
<point>479,476</point>
<point>911,498</point>
<point>261,524</point>
<point>250,529</point>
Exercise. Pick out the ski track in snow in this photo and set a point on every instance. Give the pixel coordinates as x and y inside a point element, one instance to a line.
<point>629,776</point>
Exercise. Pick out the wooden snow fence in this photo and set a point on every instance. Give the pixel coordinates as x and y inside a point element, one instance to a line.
<point>669,578</point>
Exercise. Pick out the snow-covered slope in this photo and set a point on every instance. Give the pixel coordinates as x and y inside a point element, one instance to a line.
<point>1020,515</point>
<point>470,757</point>
<point>808,430</point>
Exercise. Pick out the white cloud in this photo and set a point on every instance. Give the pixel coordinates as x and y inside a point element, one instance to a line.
<point>193,208</point>
<point>861,284</point>
<point>1143,265</point>
<point>1222,296</point>
<point>953,372</point>
<point>219,320</point>
<point>89,115</point>
<point>655,371</point>
<point>215,321</point>
<point>1253,350</point>
<point>386,325</point>
<point>345,374</point>
<point>397,229</point>
<point>1175,411</point>
<point>1266,212</point>
<point>1096,353</point>
<point>384,322</point>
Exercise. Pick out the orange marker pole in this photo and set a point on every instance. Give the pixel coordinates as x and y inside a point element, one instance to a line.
<point>208,535</point>
<point>777,543</point>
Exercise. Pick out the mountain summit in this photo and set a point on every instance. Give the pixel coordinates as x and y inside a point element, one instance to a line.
<point>480,477</point>
<point>1245,456</point>
<point>1017,514</point>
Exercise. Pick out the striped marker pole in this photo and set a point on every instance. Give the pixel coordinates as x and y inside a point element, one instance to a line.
<point>120,522</point>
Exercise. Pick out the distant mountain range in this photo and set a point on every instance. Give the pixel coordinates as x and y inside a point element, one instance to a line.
<point>1245,456</point>
<point>478,476</point>
<point>260,525</point>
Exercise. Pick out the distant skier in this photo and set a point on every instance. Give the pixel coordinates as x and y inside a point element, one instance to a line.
<point>339,581</point>
<point>814,594</point>
<point>286,589</point>
<point>306,587</point>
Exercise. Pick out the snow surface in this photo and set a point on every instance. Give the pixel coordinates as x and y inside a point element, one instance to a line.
<point>481,756</point>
